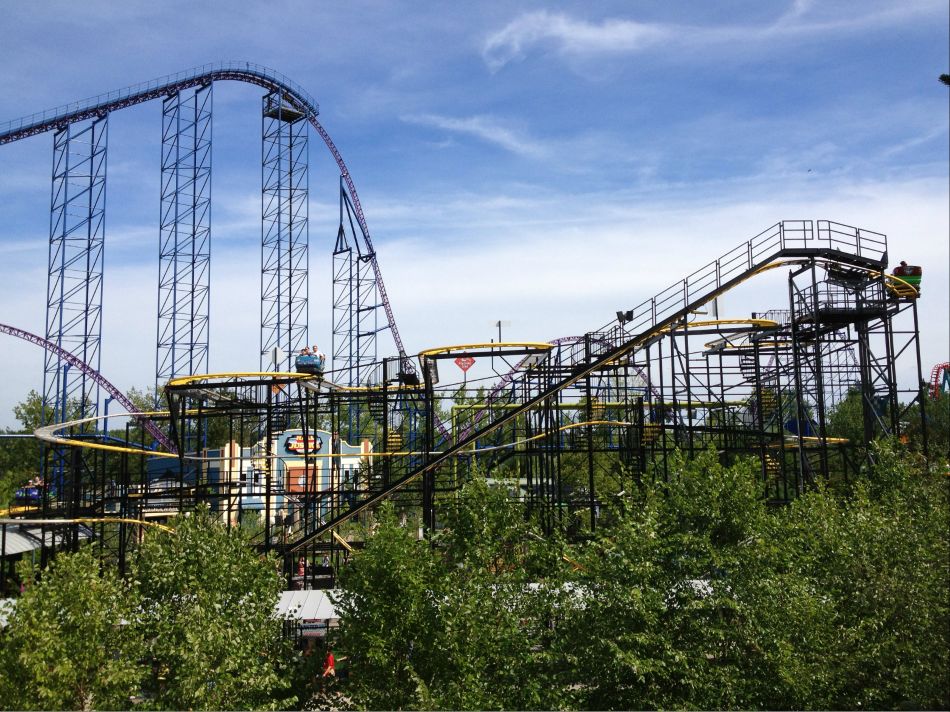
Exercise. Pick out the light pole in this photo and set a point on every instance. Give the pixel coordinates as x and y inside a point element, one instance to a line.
<point>498,324</point>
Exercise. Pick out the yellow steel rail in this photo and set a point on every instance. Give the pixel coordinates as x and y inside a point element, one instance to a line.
<point>89,520</point>
<point>198,378</point>
<point>760,323</point>
<point>538,345</point>
<point>898,286</point>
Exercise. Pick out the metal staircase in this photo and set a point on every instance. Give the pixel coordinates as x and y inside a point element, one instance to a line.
<point>783,243</point>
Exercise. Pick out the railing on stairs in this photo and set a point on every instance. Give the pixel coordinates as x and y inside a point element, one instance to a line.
<point>784,240</point>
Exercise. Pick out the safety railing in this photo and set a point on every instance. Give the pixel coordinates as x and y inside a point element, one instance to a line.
<point>743,260</point>
<point>853,240</point>
<point>157,84</point>
<point>755,254</point>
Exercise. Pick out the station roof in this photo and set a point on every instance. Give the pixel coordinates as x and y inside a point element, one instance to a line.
<point>20,538</point>
<point>306,605</point>
<point>299,605</point>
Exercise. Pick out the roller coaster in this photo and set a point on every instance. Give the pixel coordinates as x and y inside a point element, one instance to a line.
<point>301,457</point>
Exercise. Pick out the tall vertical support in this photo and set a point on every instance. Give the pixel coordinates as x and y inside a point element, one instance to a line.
<point>285,232</point>
<point>184,257</point>
<point>74,286</point>
<point>342,315</point>
<point>356,299</point>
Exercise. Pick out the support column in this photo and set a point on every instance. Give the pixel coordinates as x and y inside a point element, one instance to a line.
<point>356,299</point>
<point>184,256</point>
<point>74,286</point>
<point>285,235</point>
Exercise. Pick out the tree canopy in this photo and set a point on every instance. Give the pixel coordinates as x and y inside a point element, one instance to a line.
<point>192,627</point>
<point>690,594</point>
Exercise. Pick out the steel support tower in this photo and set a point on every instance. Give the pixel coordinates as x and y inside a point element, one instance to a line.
<point>355,308</point>
<point>184,253</point>
<point>284,246</point>
<point>356,299</point>
<point>74,286</point>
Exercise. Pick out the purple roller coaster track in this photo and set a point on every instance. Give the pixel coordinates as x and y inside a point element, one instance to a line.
<point>101,380</point>
<point>294,96</point>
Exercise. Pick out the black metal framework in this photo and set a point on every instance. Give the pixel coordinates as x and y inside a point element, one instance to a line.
<point>573,424</point>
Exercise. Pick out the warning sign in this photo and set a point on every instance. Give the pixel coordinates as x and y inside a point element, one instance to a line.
<point>464,362</point>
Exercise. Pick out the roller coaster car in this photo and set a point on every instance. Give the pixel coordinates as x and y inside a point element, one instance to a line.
<point>309,363</point>
<point>909,273</point>
<point>29,495</point>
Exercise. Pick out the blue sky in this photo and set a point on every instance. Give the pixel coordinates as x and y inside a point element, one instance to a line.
<point>541,163</point>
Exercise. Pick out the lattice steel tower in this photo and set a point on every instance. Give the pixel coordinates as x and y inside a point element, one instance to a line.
<point>74,287</point>
<point>184,256</point>
<point>356,299</point>
<point>284,247</point>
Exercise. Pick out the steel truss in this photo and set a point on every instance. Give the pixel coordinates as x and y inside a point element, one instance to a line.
<point>292,95</point>
<point>184,257</point>
<point>574,425</point>
<point>284,246</point>
<point>356,300</point>
<point>74,283</point>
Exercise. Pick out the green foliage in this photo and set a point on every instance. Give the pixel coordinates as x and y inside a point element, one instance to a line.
<point>691,594</point>
<point>656,625</point>
<point>192,628</point>
<point>846,420</point>
<point>937,417</point>
<point>207,618</point>
<point>878,563</point>
<point>445,628</point>
<point>71,642</point>
<point>20,457</point>
<point>384,608</point>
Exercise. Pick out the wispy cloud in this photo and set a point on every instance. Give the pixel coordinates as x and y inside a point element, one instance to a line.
<point>579,38</point>
<point>569,36</point>
<point>486,128</point>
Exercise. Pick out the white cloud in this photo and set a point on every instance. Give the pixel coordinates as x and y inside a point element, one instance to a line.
<point>570,36</point>
<point>578,38</point>
<point>486,128</point>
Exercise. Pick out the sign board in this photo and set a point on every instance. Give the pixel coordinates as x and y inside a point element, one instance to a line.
<point>295,444</point>
<point>464,362</point>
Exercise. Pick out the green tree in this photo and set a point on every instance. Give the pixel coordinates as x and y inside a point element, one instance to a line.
<point>654,624</point>
<point>937,417</point>
<point>877,563</point>
<point>208,619</point>
<point>455,626</point>
<point>698,596</point>
<point>20,457</point>
<point>71,640</point>
<point>498,593</point>
<point>386,613</point>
